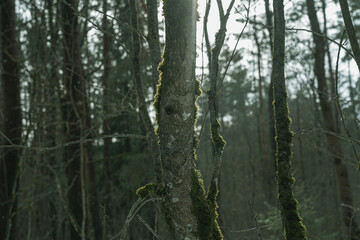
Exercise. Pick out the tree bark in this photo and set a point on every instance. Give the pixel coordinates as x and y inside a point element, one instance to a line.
<point>190,213</point>
<point>292,222</point>
<point>12,120</point>
<point>334,144</point>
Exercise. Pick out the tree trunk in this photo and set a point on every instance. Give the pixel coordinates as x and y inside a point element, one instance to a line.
<point>190,213</point>
<point>106,110</point>
<point>269,25</point>
<point>12,120</point>
<point>267,179</point>
<point>334,144</point>
<point>75,119</point>
<point>292,222</point>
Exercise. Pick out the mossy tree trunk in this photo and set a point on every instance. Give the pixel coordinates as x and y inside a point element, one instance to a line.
<point>190,213</point>
<point>214,75</point>
<point>333,142</point>
<point>218,143</point>
<point>176,114</point>
<point>12,120</point>
<point>292,222</point>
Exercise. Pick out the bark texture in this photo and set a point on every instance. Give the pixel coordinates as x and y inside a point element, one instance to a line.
<point>12,120</point>
<point>334,144</point>
<point>292,222</point>
<point>189,210</point>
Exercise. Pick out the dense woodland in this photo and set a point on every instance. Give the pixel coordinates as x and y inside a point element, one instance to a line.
<point>131,119</point>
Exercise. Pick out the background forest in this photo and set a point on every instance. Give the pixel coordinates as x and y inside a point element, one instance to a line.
<point>77,77</point>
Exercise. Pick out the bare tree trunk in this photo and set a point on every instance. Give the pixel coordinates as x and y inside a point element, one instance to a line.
<point>269,25</point>
<point>334,144</point>
<point>106,109</point>
<point>75,118</point>
<point>292,222</point>
<point>267,179</point>
<point>331,72</point>
<point>12,121</point>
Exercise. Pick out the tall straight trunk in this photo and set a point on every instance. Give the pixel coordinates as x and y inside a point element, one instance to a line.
<point>106,108</point>
<point>269,24</point>
<point>50,129</point>
<point>12,120</point>
<point>292,222</point>
<point>190,212</point>
<point>75,118</point>
<point>334,144</point>
<point>331,72</point>
<point>350,31</point>
<point>267,179</point>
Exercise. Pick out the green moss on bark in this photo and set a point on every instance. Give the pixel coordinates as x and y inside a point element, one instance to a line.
<point>293,226</point>
<point>154,188</point>
<point>218,140</point>
<point>204,208</point>
<point>157,97</point>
